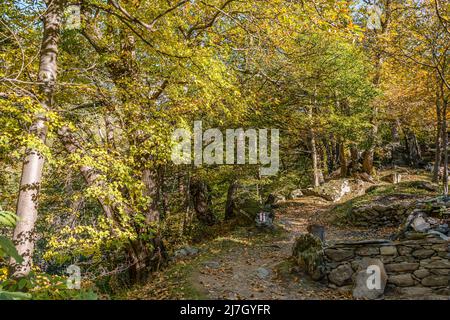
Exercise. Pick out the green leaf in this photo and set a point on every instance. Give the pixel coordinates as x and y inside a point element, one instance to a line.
<point>22,283</point>
<point>6,295</point>
<point>7,219</point>
<point>9,249</point>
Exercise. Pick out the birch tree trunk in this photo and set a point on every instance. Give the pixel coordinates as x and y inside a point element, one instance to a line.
<point>312,142</point>
<point>27,204</point>
<point>438,140</point>
<point>445,145</point>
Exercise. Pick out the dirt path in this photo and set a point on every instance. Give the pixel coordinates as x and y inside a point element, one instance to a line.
<point>262,271</point>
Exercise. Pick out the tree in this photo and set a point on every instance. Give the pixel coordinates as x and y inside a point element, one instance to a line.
<point>27,203</point>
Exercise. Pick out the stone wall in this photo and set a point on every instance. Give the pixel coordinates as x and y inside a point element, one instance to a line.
<point>413,267</point>
<point>383,211</point>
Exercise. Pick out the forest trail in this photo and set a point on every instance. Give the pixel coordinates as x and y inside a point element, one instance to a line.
<point>256,271</point>
<point>263,270</point>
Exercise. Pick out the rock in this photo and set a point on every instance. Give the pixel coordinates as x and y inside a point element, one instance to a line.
<point>440,247</point>
<point>401,280</point>
<point>443,291</point>
<point>403,251</point>
<point>414,235</point>
<point>388,250</point>
<point>180,253</point>
<point>421,273</point>
<point>435,281</point>
<point>436,264</point>
<point>443,228</point>
<point>423,253</point>
<point>332,190</point>
<point>262,273</point>
<point>297,193</point>
<point>341,275</point>
<point>439,234</point>
<point>401,267</point>
<point>440,272</point>
<point>191,251</point>
<point>367,251</point>
<point>414,291</point>
<point>420,224</point>
<point>212,264</point>
<point>308,254</point>
<point>338,254</point>
<point>365,287</point>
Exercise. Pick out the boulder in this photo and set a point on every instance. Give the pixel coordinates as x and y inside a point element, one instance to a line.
<point>418,223</point>
<point>341,275</point>
<point>332,190</point>
<point>365,286</point>
<point>297,193</point>
<point>308,254</point>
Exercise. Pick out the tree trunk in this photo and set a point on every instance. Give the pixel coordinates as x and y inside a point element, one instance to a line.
<point>445,145</point>
<point>27,204</point>
<point>316,174</point>
<point>413,148</point>
<point>201,201</point>
<point>312,143</point>
<point>230,204</point>
<point>354,158</point>
<point>150,179</point>
<point>343,160</point>
<point>395,131</point>
<point>439,136</point>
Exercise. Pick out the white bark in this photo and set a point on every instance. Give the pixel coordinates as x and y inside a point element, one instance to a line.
<point>27,204</point>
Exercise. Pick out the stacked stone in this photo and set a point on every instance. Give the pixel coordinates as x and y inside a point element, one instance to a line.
<point>379,215</point>
<point>413,267</point>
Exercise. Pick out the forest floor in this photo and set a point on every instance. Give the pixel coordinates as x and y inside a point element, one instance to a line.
<point>251,264</point>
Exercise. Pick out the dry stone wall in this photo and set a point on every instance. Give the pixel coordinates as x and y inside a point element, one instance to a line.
<point>418,267</point>
<point>383,211</point>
